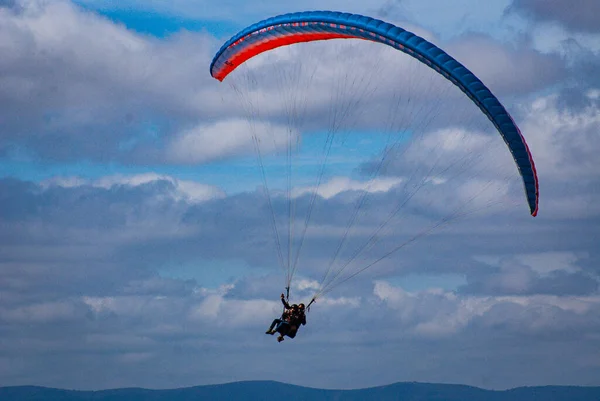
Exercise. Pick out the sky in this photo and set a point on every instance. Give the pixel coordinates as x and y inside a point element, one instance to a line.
<point>136,225</point>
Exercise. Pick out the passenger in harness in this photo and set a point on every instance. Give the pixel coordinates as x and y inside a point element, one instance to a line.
<point>292,317</point>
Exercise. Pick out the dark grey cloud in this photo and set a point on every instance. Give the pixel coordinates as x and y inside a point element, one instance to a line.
<point>391,9</point>
<point>583,66</point>
<point>519,279</point>
<point>575,100</point>
<point>585,71</point>
<point>580,16</point>
<point>508,69</point>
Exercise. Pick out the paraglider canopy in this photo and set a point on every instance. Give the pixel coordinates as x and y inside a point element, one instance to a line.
<point>321,25</point>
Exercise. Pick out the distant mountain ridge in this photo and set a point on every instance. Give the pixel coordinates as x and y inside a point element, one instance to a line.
<point>273,391</point>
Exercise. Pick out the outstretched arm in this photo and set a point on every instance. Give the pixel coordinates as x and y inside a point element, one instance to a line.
<point>285,304</point>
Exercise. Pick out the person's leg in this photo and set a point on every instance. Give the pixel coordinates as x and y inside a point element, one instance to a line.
<point>275,322</point>
<point>283,328</point>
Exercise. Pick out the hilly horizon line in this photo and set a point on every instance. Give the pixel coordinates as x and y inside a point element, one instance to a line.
<point>233,383</point>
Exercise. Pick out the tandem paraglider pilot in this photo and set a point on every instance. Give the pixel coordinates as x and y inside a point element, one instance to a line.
<point>290,321</point>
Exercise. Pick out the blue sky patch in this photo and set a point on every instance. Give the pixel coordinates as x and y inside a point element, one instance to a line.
<point>162,25</point>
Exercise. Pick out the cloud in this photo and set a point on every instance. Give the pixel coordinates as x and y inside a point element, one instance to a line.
<point>584,64</point>
<point>75,85</point>
<point>543,263</point>
<point>516,69</point>
<point>235,313</point>
<point>453,170</point>
<point>558,137</point>
<point>190,191</point>
<point>40,313</point>
<point>583,17</point>
<point>227,138</point>
<point>437,313</point>
<point>546,273</point>
<point>337,185</point>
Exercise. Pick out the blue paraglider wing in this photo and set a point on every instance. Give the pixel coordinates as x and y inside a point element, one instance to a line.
<point>323,25</point>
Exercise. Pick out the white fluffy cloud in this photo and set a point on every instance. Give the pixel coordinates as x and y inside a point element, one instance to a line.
<point>228,138</point>
<point>437,313</point>
<point>563,142</point>
<point>337,185</point>
<point>77,85</point>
